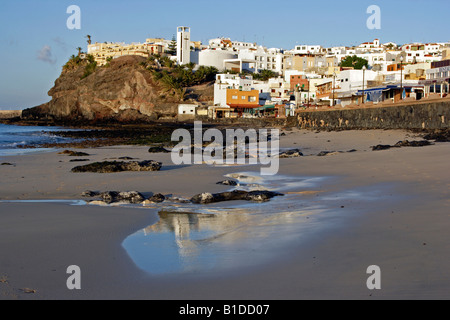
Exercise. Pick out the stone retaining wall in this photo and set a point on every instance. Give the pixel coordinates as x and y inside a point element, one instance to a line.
<point>429,115</point>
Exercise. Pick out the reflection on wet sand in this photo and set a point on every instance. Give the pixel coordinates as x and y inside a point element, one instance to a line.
<point>202,238</point>
<point>192,229</point>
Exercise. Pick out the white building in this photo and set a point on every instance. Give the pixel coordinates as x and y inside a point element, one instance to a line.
<point>306,49</point>
<point>183,45</point>
<point>187,109</point>
<point>352,80</point>
<point>432,48</point>
<point>215,58</point>
<point>438,80</point>
<point>370,45</point>
<point>279,89</point>
<point>336,50</point>
<point>230,81</point>
<point>239,45</point>
<point>228,44</point>
<point>269,59</point>
<point>374,58</point>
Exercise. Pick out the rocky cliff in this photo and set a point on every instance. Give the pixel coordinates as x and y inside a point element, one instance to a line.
<point>123,91</point>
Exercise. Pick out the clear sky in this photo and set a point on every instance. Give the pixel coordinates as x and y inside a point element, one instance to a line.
<point>35,41</point>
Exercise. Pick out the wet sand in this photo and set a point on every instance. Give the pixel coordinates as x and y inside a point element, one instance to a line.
<point>404,230</point>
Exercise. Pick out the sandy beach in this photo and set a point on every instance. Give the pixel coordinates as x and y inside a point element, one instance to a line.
<point>397,219</point>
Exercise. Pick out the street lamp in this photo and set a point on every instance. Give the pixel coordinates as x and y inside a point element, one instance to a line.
<point>364,71</point>
<point>308,91</point>
<point>334,77</point>
<point>401,77</point>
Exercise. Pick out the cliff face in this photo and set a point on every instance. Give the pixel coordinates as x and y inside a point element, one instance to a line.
<point>124,91</point>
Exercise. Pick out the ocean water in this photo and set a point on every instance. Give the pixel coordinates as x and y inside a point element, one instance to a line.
<point>14,138</point>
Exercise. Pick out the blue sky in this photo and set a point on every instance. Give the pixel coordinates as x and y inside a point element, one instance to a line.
<point>35,41</point>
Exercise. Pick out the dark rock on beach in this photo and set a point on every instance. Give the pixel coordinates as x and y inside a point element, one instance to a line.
<point>119,166</point>
<point>74,153</point>
<point>291,153</point>
<point>259,196</point>
<point>129,196</point>
<point>158,197</point>
<point>381,147</point>
<point>116,196</point>
<point>158,150</point>
<point>89,193</point>
<point>228,182</point>
<point>405,143</point>
<point>79,160</point>
<point>442,135</point>
<point>324,153</point>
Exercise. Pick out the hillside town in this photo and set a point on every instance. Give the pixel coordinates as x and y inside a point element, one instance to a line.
<point>256,81</point>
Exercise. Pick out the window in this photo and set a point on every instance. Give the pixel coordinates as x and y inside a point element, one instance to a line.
<point>243,97</point>
<point>251,99</point>
<point>234,97</point>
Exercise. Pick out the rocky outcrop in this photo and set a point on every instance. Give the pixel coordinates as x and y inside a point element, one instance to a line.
<point>291,153</point>
<point>228,182</point>
<point>438,135</point>
<point>116,196</point>
<point>71,153</point>
<point>123,91</point>
<point>119,166</point>
<point>404,143</point>
<point>259,196</point>
<point>157,198</point>
<point>158,149</point>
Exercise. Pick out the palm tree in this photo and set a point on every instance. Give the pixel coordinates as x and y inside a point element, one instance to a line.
<point>190,65</point>
<point>79,50</point>
<point>89,39</point>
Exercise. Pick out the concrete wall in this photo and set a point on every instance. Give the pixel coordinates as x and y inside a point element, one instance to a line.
<point>428,115</point>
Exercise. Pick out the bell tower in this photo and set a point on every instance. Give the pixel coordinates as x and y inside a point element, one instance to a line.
<point>183,45</point>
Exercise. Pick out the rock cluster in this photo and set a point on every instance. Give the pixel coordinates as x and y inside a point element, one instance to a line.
<point>119,166</point>
<point>228,182</point>
<point>404,143</point>
<point>158,150</point>
<point>442,135</point>
<point>259,196</point>
<point>133,197</point>
<point>290,153</point>
<point>71,153</point>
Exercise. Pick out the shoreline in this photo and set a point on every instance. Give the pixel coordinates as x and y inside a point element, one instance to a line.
<point>410,247</point>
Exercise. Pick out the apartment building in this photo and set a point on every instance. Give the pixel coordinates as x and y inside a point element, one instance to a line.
<point>321,64</point>
<point>308,49</point>
<point>224,82</point>
<point>438,78</point>
<point>264,59</point>
<point>102,52</point>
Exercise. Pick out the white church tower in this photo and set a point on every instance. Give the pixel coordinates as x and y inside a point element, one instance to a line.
<point>183,45</point>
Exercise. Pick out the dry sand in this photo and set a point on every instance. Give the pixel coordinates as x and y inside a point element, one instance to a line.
<point>404,232</point>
